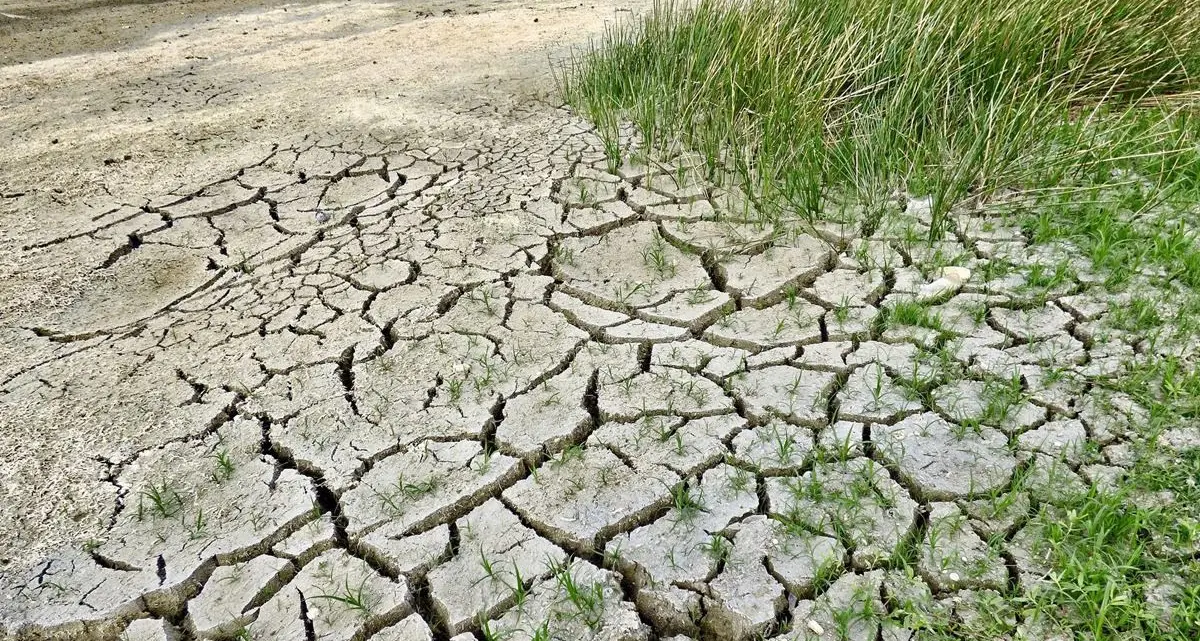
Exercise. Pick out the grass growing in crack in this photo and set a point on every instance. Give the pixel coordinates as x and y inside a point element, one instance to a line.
<point>1139,314</point>
<point>912,313</point>
<point>198,524</point>
<point>1106,549</point>
<point>741,480</point>
<point>784,443</point>
<point>489,634</point>
<point>657,259</point>
<point>587,601</point>
<point>564,255</point>
<point>454,387</point>
<point>685,504</point>
<point>699,296</point>
<point>718,548</point>
<point>520,592</point>
<point>489,569</point>
<point>1002,396</point>
<point>613,557</point>
<point>1108,536</point>
<point>568,454</point>
<point>841,311</point>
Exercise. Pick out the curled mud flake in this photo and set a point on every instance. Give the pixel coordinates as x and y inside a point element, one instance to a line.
<point>826,616</point>
<point>745,600</point>
<point>765,278</point>
<point>796,322</point>
<point>629,267</point>
<point>215,500</point>
<point>226,604</point>
<point>871,395</point>
<point>410,628</point>
<point>662,391</point>
<point>577,600</point>
<point>687,446</point>
<point>953,557</point>
<point>147,630</point>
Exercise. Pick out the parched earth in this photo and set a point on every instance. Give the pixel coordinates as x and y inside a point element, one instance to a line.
<point>452,373</point>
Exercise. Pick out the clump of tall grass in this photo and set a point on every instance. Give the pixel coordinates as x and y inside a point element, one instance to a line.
<point>808,101</point>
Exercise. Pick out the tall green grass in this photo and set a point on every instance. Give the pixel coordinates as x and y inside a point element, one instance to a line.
<point>813,104</point>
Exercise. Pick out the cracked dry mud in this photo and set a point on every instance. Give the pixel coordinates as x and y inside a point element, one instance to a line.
<point>361,388</point>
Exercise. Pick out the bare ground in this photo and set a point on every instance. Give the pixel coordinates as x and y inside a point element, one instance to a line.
<point>104,103</point>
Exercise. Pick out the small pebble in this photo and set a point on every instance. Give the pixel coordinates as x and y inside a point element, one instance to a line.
<point>815,627</point>
<point>322,218</point>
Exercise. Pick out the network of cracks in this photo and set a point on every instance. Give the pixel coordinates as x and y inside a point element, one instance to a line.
<point>508,391</point>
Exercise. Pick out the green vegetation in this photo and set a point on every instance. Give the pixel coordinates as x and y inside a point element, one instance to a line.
<point>814,107</point>
<point>357,599</point>
<point>1078,123</point>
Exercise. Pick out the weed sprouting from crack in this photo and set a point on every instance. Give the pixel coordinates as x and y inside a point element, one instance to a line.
<point>489,568</point>
<point>586,601</point>
<point>913,313</point>
<point>564,255</point>
<point>741,480</point>
<point>699,296</point>
<point>784,443</point>
<point>841,311</point>
<point>684,503</point>
<point>520,592</point>
<point>568,454</point>
<point>199,523</point>
<point>718,548</point>
<point>490,634</point>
